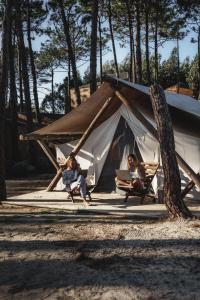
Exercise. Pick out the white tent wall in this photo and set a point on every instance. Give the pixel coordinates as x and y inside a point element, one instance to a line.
<point>93,154</point>
<point>187,146</point>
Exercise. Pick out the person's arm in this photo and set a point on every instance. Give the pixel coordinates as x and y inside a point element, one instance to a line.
<point>122,182</point>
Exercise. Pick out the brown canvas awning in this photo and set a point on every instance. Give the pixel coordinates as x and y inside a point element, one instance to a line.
<point>185,111</point>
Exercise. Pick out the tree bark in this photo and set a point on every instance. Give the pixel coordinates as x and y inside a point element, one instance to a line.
<point>112,38</point>
<point>52,92</point>
<point>34,77</point>
<point>70,51</point>
<point>3,87</point>
<point>93,53</point>
<point>68,107</point>
<point>156,47</point>
<point>20,82</point>
<point>138,45</point>
<point>100,52</point>
<point>130,40</point>
<point>13,94</point>
<point>69,81</point>
<point>199,61</point>
<point>134,60</point>
<point>25,75</point>
<point>172,181</point>
<point>178,65</point>
<point>147,43</point>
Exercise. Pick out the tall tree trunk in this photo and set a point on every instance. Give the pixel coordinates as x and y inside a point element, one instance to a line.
<point>156,47</point>
<point>130,40</point>
<point>25,75</point>
<point>70,51</point>
<point>178,65</point>
<point>13,94</point>
<point>134,60</point>
<point>69,83</point>
<point>93,53</point>
<point>3,87</point>
<point>34,77</point>
<point>67,100</point>
<point>20,82</point>
<point>172,181</point>
<point>199,61</point>
<point>112,38</point>
<point>138,45</point>
<point>147,43</point>
<point>52,91</point>
<point>100,52</point>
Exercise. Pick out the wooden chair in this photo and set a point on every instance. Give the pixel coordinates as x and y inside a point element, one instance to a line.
<point>76,191</point>
<point>150,169</point>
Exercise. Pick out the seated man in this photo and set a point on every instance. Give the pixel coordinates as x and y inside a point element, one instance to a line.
<point>73,180</point>
<point>136,172</point>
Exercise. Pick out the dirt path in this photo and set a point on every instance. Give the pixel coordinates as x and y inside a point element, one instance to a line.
<point>49,254</point>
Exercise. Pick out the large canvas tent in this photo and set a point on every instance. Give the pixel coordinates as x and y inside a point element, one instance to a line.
<point>118,131</point>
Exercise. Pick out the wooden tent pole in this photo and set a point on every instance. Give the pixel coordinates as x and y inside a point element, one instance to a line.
<point>188,187</point>
<point>80,144</point>
<point>49,154</point>
<point>191,174</point>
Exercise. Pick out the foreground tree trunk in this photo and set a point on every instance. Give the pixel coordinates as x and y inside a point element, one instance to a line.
<point>70,50</point>
<point>172,181</point>
<point>3,87</point>
<point>93,53</point>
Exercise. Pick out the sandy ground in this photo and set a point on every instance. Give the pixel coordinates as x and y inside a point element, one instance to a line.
<point>52,254</point>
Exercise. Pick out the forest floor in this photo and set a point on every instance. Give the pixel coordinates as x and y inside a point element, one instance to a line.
<point>55,254</point>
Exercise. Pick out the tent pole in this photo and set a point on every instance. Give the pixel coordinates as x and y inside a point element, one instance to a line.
<point>187,189</point>
<point>80,144</point>
<point>49,154</point>
<point>191,174</point>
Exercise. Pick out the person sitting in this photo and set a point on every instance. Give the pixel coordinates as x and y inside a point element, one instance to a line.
<point>137,174</point>
<point>73,180</point>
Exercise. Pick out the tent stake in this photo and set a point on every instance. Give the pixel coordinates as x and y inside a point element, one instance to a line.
<point>80,144</point>
<point>191,174</point>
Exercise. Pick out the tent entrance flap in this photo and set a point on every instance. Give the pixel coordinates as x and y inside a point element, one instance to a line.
<point>123,143</point>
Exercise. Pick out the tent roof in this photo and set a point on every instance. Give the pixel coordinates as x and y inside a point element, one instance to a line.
<point>76,122</point>
<point>182,102</point>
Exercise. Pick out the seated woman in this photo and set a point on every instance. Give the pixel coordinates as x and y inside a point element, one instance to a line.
<point>137,174</point>
<point>74,180</point>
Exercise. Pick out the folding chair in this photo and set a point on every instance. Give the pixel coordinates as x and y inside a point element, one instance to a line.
<point>76,191</point>
<point>150,169</point>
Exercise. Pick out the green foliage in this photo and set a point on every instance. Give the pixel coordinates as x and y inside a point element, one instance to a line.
<point>58,99</point>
